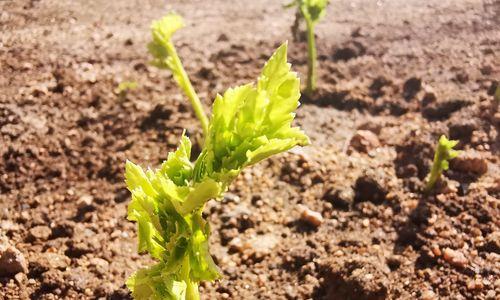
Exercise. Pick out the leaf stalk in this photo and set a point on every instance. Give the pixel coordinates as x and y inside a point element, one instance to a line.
<point>187,87</point>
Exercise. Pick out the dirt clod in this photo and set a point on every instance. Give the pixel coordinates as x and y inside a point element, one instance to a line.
<point>356,278</point>
<point>470,162</point>
<point>40,233</point>
<point>99,266</point>
<point>47,261</point>
<point>364,141</point>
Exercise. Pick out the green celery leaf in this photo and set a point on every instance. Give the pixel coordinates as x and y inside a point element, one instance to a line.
<point>251,123</point>
<point>178,167</point>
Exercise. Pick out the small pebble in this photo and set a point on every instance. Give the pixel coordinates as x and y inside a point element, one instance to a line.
<point>455,258</point>
<point>85,201</point>
<point>311,217</point>
<point>435,250</point>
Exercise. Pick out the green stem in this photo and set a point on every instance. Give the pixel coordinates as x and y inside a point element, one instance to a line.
<point>183,80</point>
<point>311,59</point>
<point>434,176</point>
<point>192,292</point>
<point>436,169</point>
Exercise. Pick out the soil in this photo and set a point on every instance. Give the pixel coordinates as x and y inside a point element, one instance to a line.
<point>393,77</point>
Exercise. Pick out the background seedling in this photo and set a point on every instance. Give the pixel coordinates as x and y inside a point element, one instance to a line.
<point>444,153</point>
<point>249,123</point>
<point>124,87</point>
<point>312,11</point>
<point>165,57</point>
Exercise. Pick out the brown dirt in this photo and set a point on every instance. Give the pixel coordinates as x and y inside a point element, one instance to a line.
<point>408,71</point>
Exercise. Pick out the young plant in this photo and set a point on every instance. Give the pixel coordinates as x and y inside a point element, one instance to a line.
<point>312,11</point>
<point>165,57</point>
<point>444,152</point>
<point>249,123</point>
<point>124,87</point>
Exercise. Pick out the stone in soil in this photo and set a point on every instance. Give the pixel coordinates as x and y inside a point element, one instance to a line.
<point>12,261</point>
<point>455,257</point>
<point>99,265</point>
<point>311,217</point>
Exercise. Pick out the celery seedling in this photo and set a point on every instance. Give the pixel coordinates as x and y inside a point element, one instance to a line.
<point>249,123</point>
<point>124,87</point>
<point>165,57</point>
<point>444,152</point>
<point>312,11</point>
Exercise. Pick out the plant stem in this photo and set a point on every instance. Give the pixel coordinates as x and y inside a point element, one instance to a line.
<point>434,176</point>
<point>435,170</point>
<point>183,80</point>
<point>311,59</point>
<point>192,292</point>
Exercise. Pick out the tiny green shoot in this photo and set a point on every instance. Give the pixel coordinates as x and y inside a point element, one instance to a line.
<point>444,153</point>
<point>125,86</point>
<point>312,11</point>
<point>249,123</point>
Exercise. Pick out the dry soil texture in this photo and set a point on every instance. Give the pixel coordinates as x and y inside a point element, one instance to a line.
<point>394,76</point>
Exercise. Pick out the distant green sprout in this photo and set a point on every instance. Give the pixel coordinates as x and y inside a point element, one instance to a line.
<point>444,153</point>
<point>165,57</point>
<point>124,87</point>
<point>249,123</point>
<point>312,11</point>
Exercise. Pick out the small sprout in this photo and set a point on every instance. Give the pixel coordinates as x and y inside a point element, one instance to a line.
<point>165,57</point>
<point>312,11</point>
<point>249,123</point>
<point>444,153</point>
<point>124,87</point>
